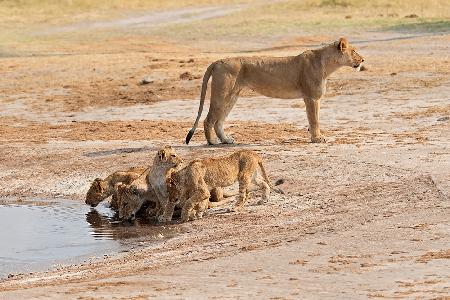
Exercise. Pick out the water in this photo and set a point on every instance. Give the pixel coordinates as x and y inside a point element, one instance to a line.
<point>37,235</point>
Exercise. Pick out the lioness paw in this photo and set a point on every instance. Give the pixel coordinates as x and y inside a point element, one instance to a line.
<point>228,140</point>
<point>318,139</point>
<point>262,201</point>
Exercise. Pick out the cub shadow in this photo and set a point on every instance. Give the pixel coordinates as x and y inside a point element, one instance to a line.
<point>119,151</point>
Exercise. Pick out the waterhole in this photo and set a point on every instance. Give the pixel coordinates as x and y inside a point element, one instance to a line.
<point>37,235</point>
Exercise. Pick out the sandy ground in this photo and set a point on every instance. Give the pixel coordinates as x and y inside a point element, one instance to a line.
<point>364,215</point>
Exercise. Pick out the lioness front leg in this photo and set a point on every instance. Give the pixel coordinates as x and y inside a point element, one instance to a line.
<point>312,111</point>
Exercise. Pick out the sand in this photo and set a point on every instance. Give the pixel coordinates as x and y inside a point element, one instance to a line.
<point>364,215</point>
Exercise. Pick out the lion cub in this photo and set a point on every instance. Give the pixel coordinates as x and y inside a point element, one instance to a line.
<point>190,186</point>
<point>131,197</point>
<point>101,189</point>
<point>165,160</point>
<point>150,186</point>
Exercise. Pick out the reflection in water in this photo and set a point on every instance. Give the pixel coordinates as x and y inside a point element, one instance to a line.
<point>40,234</point>
<point>110,227</point>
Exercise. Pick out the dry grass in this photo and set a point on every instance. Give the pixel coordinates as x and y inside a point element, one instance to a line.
<point>54,11</point>
<point>294,17</point>
<point>26,23</point>
<point>63,11</point>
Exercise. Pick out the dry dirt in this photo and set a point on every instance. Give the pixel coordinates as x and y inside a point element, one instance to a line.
<point>365,215</point>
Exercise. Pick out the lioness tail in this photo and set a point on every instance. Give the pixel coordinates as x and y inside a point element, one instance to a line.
<point>206,77</point>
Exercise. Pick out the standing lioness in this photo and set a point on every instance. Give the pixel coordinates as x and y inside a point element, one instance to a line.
<point>302,76</point>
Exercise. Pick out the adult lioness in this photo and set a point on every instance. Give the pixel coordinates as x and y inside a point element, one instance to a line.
<point>303,76</point>
<point>101,189</point>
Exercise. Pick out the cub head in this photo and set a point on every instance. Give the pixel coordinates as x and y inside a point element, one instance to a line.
<point>129,201</point>
<point>97,192</point>
<point>168,157</point>
<point>347,54</point>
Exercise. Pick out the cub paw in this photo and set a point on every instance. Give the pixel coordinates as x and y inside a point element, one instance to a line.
<point>234,209</point>
<point>163,219</point>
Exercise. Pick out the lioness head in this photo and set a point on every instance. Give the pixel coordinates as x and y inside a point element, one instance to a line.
<point>168,157</point>
<point>348,55</point>
<point>97,192</point>
<point>129,200</point>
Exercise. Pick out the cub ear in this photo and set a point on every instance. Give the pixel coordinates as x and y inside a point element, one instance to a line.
<point>117,186</point>
<point>162,154</point>
<point>98,183</point>
<point>343,44</point>
<point>133,189</point>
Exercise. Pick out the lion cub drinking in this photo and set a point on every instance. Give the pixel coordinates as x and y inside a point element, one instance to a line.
<point>190,186</point>
<point>149,187</point>
<point>101,189</point>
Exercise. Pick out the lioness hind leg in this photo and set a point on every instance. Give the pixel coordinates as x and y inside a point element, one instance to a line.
<point>224,93</point>
<point>229,103</point>
<point>208,126</point>
<point>225,139</point>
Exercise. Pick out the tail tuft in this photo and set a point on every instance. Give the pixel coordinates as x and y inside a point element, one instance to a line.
<point>189,135</point>
<point>279,181</point>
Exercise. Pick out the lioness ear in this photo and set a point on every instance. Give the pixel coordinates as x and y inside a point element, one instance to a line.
<point>343,44</point>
